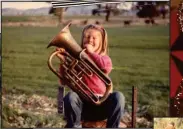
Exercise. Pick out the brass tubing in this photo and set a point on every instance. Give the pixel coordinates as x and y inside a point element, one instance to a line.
<point>83,92</point>
<point>93,67</point>
<point>85,86</point>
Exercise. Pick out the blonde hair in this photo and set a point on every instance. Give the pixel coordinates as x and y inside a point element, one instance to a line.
<point>104,50</point>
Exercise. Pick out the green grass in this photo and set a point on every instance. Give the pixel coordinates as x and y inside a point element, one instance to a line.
<point>27,119</point>
<point>16,19</point>
<point>44,18</point>
<point>140,58</point>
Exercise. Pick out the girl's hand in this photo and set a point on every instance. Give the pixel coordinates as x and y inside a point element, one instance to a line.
<point>61,57</point>
<point>60,49</point>
<point>89,48</point>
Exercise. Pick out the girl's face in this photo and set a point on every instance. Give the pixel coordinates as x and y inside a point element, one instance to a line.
<point>92,40</point>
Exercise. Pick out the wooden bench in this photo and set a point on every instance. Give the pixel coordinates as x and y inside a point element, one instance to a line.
<point>100,124</point>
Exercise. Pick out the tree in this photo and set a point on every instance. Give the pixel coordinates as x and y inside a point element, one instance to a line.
<point>58,12</point>
<point>108,9</point>
<point>146,10</point>
<point>151,9</point>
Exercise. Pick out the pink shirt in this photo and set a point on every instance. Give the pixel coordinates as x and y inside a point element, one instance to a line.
<point>94,82</point>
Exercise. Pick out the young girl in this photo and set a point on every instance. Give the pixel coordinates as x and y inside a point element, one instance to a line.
<point>94,40</point>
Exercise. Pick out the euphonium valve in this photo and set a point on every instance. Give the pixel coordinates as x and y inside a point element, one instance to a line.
<point>77,64</point>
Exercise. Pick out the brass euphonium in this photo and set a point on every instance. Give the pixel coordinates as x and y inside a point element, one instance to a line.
<point>76,64</point>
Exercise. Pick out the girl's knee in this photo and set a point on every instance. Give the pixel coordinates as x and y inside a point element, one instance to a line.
<point>71,97</point>
<point>118,97</point>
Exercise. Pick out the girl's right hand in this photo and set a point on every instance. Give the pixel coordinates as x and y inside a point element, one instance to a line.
<point>61,57</point>
<point>60,49</point>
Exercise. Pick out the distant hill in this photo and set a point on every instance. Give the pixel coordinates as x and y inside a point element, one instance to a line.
<point>11,11</point>
<point>14,12</point>
<point>80,10</point>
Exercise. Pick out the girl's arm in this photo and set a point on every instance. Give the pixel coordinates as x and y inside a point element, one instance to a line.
<point>103,62</point>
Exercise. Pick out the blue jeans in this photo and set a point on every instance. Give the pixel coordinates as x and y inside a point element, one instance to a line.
<point>77,109</point>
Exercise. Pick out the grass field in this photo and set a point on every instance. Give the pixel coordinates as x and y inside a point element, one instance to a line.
<point>41,18</point>
<point>140,57</point>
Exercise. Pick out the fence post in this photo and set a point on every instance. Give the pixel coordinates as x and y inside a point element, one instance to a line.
<point>60,99</point>
<point>134,106</point>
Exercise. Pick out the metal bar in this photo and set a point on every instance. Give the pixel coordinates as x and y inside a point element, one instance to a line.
<point>134,106</point>
<point>83,3</point>
<point>60,97</point>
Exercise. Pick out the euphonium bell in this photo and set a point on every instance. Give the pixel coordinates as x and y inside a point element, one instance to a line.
<point>76,63</point>
<point>65,40</point>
